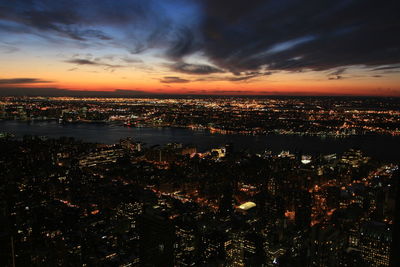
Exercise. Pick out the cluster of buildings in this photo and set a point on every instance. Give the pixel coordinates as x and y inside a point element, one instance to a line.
<point>321,116</point>
<point>65,202</point>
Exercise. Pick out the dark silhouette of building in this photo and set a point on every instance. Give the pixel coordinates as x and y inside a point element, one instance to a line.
<point>333,197</point>
<point>395,255</point>
<point>156,239</point>
<point>6,244</point>
<point>326,246</point>
<point>229,149</point>
<point>226,200</point>
<point>254,255</point>
<point>303,210</point>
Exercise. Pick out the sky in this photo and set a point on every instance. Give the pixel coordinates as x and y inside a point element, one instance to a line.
<point>235,47</point>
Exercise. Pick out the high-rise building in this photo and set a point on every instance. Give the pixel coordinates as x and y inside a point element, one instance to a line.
<point>332,197</point>
<point>186,245</point>
<point>212,250</point>
<point>303,209</point>
<point>352,258</point>
<point>229,149</point>
<point>129,145</point>
<point>226,200</point>
<point>6,244</point>
<point>234,250</point>
<point>253,255</point>
<point>395,256</point>
<point>157,236</point>
<point>326,246</point>
<point>375,243</point>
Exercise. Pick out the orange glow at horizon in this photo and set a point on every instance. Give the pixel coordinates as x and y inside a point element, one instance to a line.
<point>61,75</point>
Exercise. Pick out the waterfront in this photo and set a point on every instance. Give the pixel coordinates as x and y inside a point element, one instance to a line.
<point>382,147</point>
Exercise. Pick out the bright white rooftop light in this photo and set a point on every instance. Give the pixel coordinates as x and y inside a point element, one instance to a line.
<point>247,205</point>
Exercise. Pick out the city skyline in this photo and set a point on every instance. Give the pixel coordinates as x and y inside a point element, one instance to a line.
<point>199,181</point>
<point>199,48</point>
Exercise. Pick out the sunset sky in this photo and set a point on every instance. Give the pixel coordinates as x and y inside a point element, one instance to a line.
<point>230,47</point>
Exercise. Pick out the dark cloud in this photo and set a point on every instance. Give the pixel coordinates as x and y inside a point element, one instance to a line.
<point>234,35</point>
<point>108,61</point>
<point>81,61</point>
<point>183,44</point>
<point>173,79</point>
<point>392,67</point>
<point>21,81</point>
<point>295,35</point>
<point>337,77</point>
<point>238,77</point>
<point>66,17</point>
<point>193,68</point>
<point>96,34</point>
<point>338,72</point>
<point>248,75</point>
<point>131,60</point>
<point>242,78</point>
<point>135,25</point>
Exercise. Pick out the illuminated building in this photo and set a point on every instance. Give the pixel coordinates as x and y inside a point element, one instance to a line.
<point>273,254</point>
<point>186,243</point>
<point>212,245</point>
<point>129,145</point>
<point>286,154</point>
<point>326,246</point>
<point>219,152</point>
<point>246,206</point>
<point>101,157</point>
<point>375,243</point>
<point>244,250</point>
<point>272,186</point>
<point>354,158</point>
<point>187,150</point>
<point>21,113</point>
<point>306,159</point>
<point>234,250</point>
<point>253,255</point>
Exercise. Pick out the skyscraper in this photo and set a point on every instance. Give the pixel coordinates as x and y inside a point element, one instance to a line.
<point>375,242</point>
<point>327,243</point>
<point>395,256</point>
<point>156,239</point>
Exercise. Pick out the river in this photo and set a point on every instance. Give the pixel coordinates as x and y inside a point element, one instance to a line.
<point>381,147</point>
